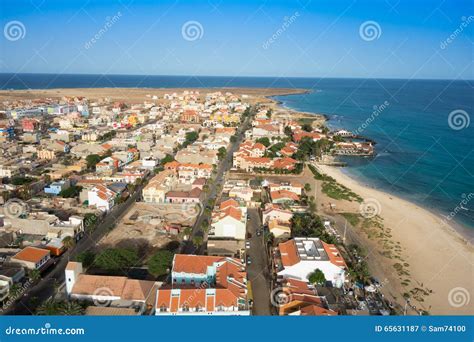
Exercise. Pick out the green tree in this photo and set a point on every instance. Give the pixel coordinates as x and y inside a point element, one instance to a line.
<point>221,153</point>
<point>264,141</point>
<point>317,277</point>
<point>71,309</point>
<point>307,187</point>
<point>92,160</point>
<point>288,131</point>
<point>87,258</point>
<point>49,308</point>
<point>190,138</point>
<point>160,262</point>
<point>72,191</point>
<point>116,258</point>
<point>167,159</point>
<point>69,242</point>
<point>197,241</point>
<point>307,127</point>
<point>34,275</point>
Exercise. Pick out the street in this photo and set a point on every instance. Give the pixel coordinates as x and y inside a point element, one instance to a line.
<point>258,271</point>
<point>188,247</point>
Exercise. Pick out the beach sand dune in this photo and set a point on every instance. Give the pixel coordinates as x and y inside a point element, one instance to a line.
<point>439,258</point>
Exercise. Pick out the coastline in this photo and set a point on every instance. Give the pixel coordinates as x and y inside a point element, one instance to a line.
<point>459,228</point>
<point>444,243</point>
<point>429,245</point>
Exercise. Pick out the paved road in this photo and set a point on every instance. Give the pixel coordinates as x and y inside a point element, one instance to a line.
<point>188,247</point>
<point>55,275</point>
<point>258,271</point>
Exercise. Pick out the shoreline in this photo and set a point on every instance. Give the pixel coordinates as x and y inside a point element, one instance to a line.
<point>458,227</point>
<point>431,262</point>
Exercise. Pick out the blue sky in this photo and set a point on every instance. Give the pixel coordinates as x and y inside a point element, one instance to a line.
<point>321,38</point>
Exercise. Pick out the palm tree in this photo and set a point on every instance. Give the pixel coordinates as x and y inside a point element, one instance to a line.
<point>71,309</point>
<point>35,275</point>
<point>68,242</point>
<point>49,308</point>
<point>15,290</point>
<point>197,241</point>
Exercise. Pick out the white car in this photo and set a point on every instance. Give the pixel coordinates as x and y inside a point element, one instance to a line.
<point>247,244</point>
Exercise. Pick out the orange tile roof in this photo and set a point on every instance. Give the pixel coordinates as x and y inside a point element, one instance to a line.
<point>172,165</point>
<point>197,264</point>
<point>230,211</point>
<point>278,194</point>
<point>315,310</point>
<point>229,202</point>
<point>126,289</point>
<point>334,255</point>
<point>289,253</point>
<point>31,254</point>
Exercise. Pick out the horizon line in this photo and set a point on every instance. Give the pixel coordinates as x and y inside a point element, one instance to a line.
<point>246,76</point>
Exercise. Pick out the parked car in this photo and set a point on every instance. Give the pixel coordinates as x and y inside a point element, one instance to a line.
<point>249,261</point>
<point>247,244</point>
<point>259,232</point>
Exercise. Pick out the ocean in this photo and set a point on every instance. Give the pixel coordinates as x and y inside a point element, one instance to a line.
<point>425,141</point>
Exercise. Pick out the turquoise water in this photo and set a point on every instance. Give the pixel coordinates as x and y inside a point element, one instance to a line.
<point>419,156</point>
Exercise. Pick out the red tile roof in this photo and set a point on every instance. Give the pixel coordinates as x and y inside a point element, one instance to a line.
<point>31,254</point>
<point>289,253</point>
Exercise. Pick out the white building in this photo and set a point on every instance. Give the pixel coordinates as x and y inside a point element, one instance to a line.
<point>101,197</point>
<point>302,256</point>
<point>230,221</point>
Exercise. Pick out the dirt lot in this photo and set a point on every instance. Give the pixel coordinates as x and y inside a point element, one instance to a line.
<point>142,226</point>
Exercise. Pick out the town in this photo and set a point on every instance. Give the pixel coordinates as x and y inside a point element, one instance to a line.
<point>183,203</point>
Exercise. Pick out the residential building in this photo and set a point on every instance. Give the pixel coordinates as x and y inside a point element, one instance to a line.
<point>56,187</point>
<point>229,221</point>
<point>284,196</point>
<point>299,257</point>
<point>33,258</point>
<point>204,285</point>
<point>279,229</point>
<point>101,197</point>
<point>156,189</point>
<point>276,212</point>
<point>115,291</point>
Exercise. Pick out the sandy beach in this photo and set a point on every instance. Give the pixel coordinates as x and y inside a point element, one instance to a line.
<point>439,259</point>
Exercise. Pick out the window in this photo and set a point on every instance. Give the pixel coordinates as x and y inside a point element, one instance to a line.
<point>163,308</point>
